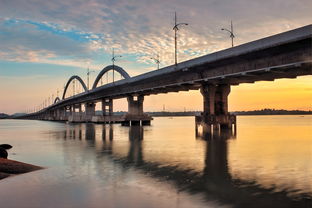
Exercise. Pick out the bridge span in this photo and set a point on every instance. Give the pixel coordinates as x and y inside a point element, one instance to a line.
<point>285,55</point>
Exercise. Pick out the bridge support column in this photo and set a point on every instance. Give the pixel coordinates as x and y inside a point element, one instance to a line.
<point>58,114</point>
<point>135,105</point>
<point>76,106</point>
<point>68,112</point>
<point>215,116</point>
<point>90,111</point>
<point>61,114</point>
<point>107,107</point>
<point>135,115</point>
<point>75,116</point>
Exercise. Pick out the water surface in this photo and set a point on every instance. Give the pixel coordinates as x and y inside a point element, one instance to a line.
<point>268,163</point>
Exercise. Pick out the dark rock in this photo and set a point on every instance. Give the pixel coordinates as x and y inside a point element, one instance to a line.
<point>14,167</point>
<point>6,146</point>
<point>3,153</point>
<point>4,175</point>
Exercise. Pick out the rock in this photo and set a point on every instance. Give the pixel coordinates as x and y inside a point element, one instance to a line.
<point>6,146</point>
<point>3,153</point>
<point>4,175</point>
<point>14,167</point>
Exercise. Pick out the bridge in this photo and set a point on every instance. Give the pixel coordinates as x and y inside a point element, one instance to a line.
<point>285,55</point>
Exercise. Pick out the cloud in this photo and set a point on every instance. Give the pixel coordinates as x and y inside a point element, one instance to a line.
<point>75,32</point>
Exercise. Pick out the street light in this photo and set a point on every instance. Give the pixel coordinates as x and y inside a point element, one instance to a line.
<point>231,33</point>
<point>88,74</point>
<point>157,61</point>
<point>113,60</point>
<point>74,83</point>
<point>176,28</point>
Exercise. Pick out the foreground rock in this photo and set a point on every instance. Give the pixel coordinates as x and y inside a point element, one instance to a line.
<point>6,146</point>
<point>3,148</point>
<point>10,167</point>
<point>3,153</point>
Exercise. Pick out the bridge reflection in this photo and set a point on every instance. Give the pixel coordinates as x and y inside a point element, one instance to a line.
<point>214,182</point>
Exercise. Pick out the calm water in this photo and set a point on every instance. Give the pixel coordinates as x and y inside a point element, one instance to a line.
<point>267,164</point>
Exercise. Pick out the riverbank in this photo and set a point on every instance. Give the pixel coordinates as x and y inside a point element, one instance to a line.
<point>12,167</point>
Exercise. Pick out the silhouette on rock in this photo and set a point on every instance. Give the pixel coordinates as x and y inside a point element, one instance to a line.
<point>3,153</point>
<point>6,146</point>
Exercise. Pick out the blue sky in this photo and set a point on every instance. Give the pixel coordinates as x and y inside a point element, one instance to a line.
<point>48,41</point>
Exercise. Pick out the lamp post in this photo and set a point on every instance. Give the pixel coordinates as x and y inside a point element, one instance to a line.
<point>88,74</point>
<point>157,61</point>
<point>176,28</point>
<point>231,33</point>
<point>74,83</point>
<point>113,60</point>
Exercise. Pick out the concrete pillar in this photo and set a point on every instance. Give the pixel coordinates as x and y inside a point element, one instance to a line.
<point>58,114</point>
<point>90,109</point>
<point>215,99</point>
<point>208,91</point>
<point>62,113</point>
<point>107,107</point>
<point>221,99</point>
<point>135,105</point>
<point>79,108</point>
<point>76,106</point>
<point>67,111</point>
<point>215,110</point>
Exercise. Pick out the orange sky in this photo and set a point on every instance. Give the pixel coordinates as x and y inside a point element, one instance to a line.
<point>281,94</point>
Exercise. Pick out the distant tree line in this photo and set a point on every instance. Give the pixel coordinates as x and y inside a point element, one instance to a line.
<point>266,111</point>
<point>3,115</point>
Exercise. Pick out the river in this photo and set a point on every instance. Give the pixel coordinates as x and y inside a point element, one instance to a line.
<point>267,163</point>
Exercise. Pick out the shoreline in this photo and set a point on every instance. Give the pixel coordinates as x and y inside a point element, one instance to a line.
<point>11,167</point>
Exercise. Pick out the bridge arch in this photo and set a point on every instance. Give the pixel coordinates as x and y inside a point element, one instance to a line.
<point>57,99</point>
<point>108,68</point>
<point>69,81</point>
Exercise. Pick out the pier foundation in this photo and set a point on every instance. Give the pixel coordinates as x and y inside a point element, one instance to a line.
<point>215,116</point>
<point>136,115</point>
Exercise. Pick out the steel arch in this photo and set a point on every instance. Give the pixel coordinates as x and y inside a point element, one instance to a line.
<point>57,99</point>
<point>108,68</point>
<point>71,79</point>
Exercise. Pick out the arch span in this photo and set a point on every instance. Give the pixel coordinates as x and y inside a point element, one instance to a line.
<point>71,79</point>
<point>57,99</point>
<point>108,68</point>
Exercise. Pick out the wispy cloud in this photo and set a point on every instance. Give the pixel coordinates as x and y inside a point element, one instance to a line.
<point>78,31</point>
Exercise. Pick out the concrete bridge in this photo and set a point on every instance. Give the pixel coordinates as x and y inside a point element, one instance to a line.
<point>285,55</point>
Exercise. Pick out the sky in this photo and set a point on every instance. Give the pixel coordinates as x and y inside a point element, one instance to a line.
<point>43,43</point>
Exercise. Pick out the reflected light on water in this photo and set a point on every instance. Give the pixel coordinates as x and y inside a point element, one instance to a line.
<point>266,164</point>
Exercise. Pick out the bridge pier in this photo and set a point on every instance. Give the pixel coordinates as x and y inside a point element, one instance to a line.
<point>89,111</point>
<point>135,115</point>
<point>75,116</point>
<point>107,107</point>
<point>215,116</point>
<point>77,106</point>
<point>61,114</point>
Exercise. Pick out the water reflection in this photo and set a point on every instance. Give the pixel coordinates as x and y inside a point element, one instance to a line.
<point>214,181</point>
<point>135,154</point>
